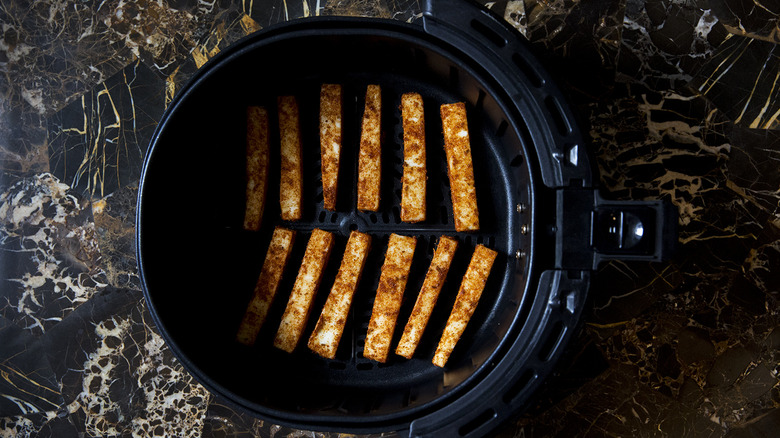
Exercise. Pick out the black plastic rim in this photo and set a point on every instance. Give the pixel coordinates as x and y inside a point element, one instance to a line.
<point>520,121</point>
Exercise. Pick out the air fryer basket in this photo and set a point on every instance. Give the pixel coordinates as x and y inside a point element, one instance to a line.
<point>199,267</point>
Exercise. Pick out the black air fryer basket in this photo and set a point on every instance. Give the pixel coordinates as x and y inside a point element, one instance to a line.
<point>537,202</point>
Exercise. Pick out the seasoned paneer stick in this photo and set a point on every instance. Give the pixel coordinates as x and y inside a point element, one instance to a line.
<point>460,167</point>
<point>305,288</point>
<point>468,296</point>
<point>414,177</point>
<point>291,184</point>
<point>326,336</point>
<point>429,293</point>
<point>389,293</point>
<point>256,166</point>
<point>330,141</point>
<point>270,275</point>
<point>370,154</point>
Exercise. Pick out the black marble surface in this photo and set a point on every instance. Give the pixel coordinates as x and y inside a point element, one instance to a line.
<point>679,100</point>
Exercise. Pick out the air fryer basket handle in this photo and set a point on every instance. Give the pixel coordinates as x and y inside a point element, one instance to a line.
<point>590,229</point>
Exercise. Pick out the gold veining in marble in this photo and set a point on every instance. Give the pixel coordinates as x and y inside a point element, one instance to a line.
<point>46,226</point>
<point>685,348</point>
<point>96,143</point>
<point>742,79</point>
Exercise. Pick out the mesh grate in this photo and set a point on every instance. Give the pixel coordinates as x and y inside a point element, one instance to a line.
<point>380,224</point>
<point>216,257</point>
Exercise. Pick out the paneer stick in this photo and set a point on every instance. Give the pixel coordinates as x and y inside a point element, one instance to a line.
<point>267,283</point>
<point>460,167</point>
<point>429,293</point>
<point>291,184</point>
<point>305,288</point>
<point>468,296</point>
<point>413,182</point>
<point>370,154</point>
<point>330,141</point>
<point>256,166</point>
<point>389,293</point>
<point>326,336</point>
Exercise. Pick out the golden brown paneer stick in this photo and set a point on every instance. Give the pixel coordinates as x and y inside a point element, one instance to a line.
<point>460,167</point>
<point>429,294</point>
<point>413,182</point>
<point>256,166</point>
<point>370,154</point>
<point>389,294</point>
<point>330,142</point>
<point>466,302</point>
<point>291,183</point>
<point>326,336</point>
<point>267,283</point>
<point>305,288</point>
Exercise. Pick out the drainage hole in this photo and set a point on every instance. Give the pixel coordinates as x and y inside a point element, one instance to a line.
<point>530,72</point>
<point>477,422</point>
<point>502,129</point>
<point>489,33</point>
<point>480,99</point>
<point>522,383</point>
<point>554,107</point>
<point>553,339</point>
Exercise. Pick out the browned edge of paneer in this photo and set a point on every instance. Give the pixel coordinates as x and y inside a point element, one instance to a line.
<point>389,295</point>
<point>460,167</point>
<point>276,258</point>
<point>307,282</point>
<point>414,179</point>
<point>256,166</point>
<point>326,336</point>
<point>370,153</point>
<point>466,302</point>
<point>291,176</point>
<point>429,294</point>
<point>330,142</point>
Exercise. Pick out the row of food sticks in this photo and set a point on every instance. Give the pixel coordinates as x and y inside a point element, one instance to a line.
<point>413,192</point>
<point>325,338</point>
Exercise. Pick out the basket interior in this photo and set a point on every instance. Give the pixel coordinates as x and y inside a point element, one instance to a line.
<point>200,266</point>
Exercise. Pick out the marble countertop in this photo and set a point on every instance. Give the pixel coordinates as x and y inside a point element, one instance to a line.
<point>680,101</point>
